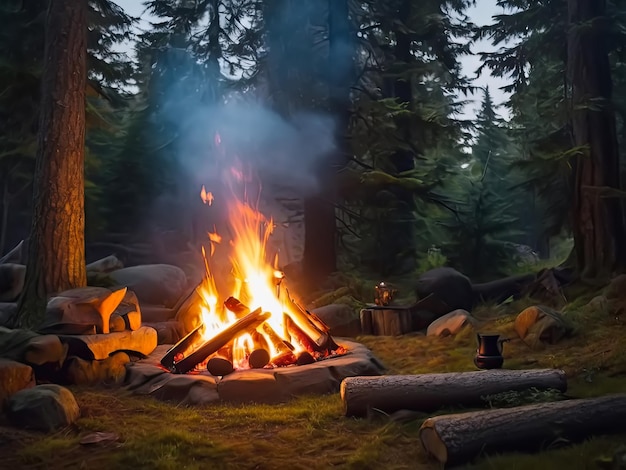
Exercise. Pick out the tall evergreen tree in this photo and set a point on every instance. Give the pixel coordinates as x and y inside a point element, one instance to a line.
<point>598,217</point>
<point>57,249</point>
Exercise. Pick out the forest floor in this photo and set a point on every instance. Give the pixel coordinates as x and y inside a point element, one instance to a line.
<point>312,432</point>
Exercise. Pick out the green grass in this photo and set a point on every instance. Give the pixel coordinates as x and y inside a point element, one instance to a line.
<point>311,432</point>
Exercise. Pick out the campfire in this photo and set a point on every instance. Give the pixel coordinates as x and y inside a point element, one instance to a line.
<point>251,321</point>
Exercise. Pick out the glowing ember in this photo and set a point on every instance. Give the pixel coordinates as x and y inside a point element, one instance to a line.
<point>207,197</point>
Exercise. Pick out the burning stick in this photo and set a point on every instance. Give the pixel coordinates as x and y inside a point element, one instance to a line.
<point>250,321</point>
<point>312,327</point>
<point>280,345</point>
<point>235,306</point>
<point>305,341</point>
<point>181,348</point>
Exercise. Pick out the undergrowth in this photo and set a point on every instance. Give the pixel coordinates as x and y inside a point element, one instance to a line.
<point>312,433</point>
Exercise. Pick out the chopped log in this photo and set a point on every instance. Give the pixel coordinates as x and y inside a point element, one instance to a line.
<point>258,358</point>
<point>182,348</point>
<point>311,326</point>
<point>457,438</point>
<point>428,392</point>
<point>218,365</point>
<point>250,321</point>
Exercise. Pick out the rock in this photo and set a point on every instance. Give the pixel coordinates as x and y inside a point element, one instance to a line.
<point>11,281</point>
<point>189,315</point>
<point>451,323</point>
<point>156,314</point>
<point>82,311</point>
<point>100,346</point>
<point>598,304</point>
<point>616,287</point>
<point>111,370</point>
<point>449,286</point>
<point>14,376</point>
<point>105,265</point>
<point>45,349</point>
<point>541,324</point>
<point>8,312</point>
<point>15,255</point>
<point>44,408</point>
<point>155,284</point>
<point>255,385</point>
<point>126,316</point>
<point>168,332</point>
<point>342,319</point>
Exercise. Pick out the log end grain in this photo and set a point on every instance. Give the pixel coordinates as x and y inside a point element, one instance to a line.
<point>432,443</point>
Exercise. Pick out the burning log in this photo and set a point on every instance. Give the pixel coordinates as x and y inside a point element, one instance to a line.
<point>312,327</point>
<point>301,337</point>
<point>218,365</point>
<point>180,349</point>
<point>305,358</point>
<point>284,359</point>
<point>250,321</point>
<point>280,345</point>
<point>235,306</point>
<point>259,358</point>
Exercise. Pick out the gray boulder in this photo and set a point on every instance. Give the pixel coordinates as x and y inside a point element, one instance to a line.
<point>154,284</point>
<point>44,408</point>
<point>11,281</point>
<point>449,286</point>
<point>342,319</point>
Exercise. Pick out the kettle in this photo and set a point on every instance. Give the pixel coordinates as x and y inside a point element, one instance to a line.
<point>489,352</point>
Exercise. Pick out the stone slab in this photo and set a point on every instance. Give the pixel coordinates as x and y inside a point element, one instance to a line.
<point>101,346</point>
<point>147,377</point>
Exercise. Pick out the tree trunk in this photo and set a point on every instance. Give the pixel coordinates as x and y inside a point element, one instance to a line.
<point>56,258</point>
<point>320,257</point>
<point>428,392</point>
<point>457,438</point>
<point>399,231</point>
<point>597,220</point>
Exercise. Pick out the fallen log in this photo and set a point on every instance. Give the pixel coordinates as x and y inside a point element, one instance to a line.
<point>457,438</point>
<point>250,321</point>
<point>182,348</point>
<point>427,392</point>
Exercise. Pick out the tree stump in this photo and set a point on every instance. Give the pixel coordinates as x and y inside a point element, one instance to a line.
<point>386,321</point>
<point>428,392</point>
<point>457,438</point>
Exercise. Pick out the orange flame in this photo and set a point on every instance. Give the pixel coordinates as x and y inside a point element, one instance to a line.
<point>207,197</point>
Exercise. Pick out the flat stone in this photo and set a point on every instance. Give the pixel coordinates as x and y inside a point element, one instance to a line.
<point>253,385</point>
<point>101,346</point>
<point>14,376</point>
<point>451,323</point>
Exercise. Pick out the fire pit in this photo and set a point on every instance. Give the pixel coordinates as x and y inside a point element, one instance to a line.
<point>253,341</point>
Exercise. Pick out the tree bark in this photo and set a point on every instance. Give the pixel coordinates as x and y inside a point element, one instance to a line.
<point>456,438</point>
<point>428,392</point>
<point>56,260</point>
<point>598,219</point>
